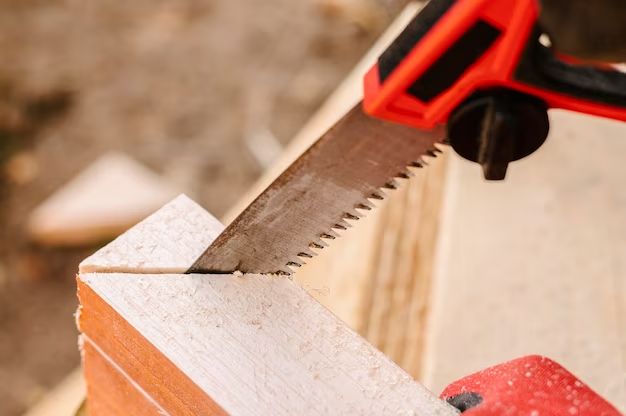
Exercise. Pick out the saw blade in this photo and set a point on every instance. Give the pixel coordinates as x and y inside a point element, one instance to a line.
<point>332,183</point>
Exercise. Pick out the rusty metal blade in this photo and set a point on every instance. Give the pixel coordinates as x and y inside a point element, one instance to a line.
<point>330,183</point>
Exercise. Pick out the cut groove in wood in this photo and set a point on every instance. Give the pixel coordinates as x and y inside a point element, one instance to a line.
<point>168,241</point>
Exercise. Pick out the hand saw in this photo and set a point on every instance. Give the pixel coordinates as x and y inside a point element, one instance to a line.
<point>479,75</point>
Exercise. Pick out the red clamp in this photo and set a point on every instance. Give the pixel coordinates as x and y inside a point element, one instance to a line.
<point>528,386</point>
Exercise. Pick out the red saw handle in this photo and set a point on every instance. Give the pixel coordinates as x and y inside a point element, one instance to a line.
<point>528,386</point>
<point>455,48</point>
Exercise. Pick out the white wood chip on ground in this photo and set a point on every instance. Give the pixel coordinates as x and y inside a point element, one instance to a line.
<point>106,198</point>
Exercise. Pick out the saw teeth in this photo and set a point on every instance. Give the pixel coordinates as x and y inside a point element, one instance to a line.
<point>390,185</point>
<point>366,205</point>
<point>403,175</point>
<point>344,223</point>
<point>316,245</point>
<point>350,216</point>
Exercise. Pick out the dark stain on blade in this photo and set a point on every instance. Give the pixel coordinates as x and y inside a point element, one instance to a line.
<point>346,166</point>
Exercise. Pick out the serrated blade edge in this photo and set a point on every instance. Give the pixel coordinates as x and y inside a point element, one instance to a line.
<point>330,183</point>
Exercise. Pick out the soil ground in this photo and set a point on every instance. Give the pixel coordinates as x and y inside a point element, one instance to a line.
<point>182,87</point>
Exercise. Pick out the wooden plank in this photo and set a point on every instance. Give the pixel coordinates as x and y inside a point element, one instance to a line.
<point>401,268</point>
<point>114,394</point>
<point>134,356</point>
<point>201,344</point>
<point>251,345</point>
<point>536,264</point>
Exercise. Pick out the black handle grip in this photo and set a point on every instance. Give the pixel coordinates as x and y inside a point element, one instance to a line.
<point>587,29</point>
<point>541,68</point>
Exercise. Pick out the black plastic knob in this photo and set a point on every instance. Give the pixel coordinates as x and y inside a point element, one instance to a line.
<point>497,127</point>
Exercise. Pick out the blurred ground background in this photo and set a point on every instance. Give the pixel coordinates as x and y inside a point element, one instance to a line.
<point>180,86</point>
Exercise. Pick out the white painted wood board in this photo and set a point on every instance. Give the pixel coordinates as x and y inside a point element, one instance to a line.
<point>260,345</point>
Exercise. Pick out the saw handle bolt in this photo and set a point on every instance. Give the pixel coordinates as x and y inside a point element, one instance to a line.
<point>465,401</point>
<point>531,385</point>
<point>498,127</point>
